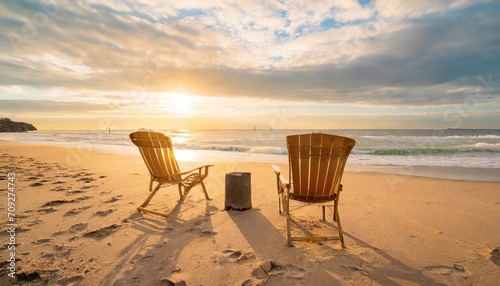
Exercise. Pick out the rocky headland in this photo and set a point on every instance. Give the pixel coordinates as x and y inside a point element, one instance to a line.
<point>7,125</point>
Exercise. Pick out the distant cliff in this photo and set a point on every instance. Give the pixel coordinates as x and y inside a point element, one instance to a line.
<point>7,125</point>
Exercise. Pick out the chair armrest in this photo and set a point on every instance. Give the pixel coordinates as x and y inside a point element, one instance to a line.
<point>284,182</point>
<point>195,169</point>
<point>276,169</point>
<point>281,182</point>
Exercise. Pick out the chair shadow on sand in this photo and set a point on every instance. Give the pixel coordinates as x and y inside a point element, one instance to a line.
<point>338,267</point>
<point>160,255</point>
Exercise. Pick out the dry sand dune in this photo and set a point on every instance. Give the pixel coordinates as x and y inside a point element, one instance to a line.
<point>77,224</point>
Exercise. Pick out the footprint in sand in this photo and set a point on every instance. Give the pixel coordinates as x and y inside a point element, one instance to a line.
<point>57,233</point>
<point>38,184</point>
<point>75,192</point>
<point>32,223</point>
<point>62,251</point>
<point>78,227</point>
<point>42,241</point>
<point>103,232</point>
<point>58,202</point>
<point>86,180</point>
<point>445,270</point>
<point>84,198</point>
<point>88,187</point>
<point>208,233</point>
<point>75,280</point>
<point>495,256</point>
<point>32,277</point>
<point>112,200</point>
<point>168,282</point>
<point>268,268</point>
<point>46,210</point>
<point>76,211</point>
<point>234,256</point>
<point>272,268</point>
<point>103,213</point>
<point>57,189</point>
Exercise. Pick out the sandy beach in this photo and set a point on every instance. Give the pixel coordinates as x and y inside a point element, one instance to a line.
<point>77,224</point>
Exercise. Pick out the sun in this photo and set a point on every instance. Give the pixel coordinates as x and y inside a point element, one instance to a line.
<point>178,103</point>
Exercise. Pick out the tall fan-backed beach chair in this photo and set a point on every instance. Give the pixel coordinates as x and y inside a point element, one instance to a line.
<point>158,154</point>
<point>316,164</point>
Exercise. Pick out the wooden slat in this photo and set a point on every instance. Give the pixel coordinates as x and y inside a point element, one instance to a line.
<point>293,160</point>
<point>316,151</point>
<point>324,162</point>
<point>173,161</point>
<point>160,143</point>
<point>305,151</point>
<point>332,164</point>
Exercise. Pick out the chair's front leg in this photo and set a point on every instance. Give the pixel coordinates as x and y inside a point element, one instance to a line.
<point>179,185</point>
<point>204,189</point>
<point>286,208</point>
<point>153,192</point>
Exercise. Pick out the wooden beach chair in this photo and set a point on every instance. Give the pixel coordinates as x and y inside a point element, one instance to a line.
<point>158,154</point>
<point>316,164</point>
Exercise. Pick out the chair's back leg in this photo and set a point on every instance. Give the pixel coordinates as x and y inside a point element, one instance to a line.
<point>151,183</point>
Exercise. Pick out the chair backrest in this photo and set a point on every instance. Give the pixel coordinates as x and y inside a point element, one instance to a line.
<point>316,164</point>
<point>158,154</point>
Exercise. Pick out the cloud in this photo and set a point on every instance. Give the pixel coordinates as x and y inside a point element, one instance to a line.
<point>413,53</point>
<point>47,106</point>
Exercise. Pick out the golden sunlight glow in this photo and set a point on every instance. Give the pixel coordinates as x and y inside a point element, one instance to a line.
<point>177,103</point>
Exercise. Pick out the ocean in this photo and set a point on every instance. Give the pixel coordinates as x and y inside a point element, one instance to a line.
<point>476,151</point>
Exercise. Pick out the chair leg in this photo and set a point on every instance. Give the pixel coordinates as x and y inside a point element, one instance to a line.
<point>288,233</point>
<point>286,209</point>
<point>341,233</point>
<point>323,209</point>
<point>180,190</point>
<point>339,225</point>
<point>151,184</point>
<point>204,189</point>
<point>335,213</point>
<point>153,192</point>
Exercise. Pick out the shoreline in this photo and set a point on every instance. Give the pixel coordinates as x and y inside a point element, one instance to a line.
<point>211,156</point>
<point>77,223</point>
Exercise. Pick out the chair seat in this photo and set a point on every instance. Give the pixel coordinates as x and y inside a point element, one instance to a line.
<point>313,199</point>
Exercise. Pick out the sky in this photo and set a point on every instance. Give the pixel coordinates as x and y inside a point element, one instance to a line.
<point>343,64</point>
